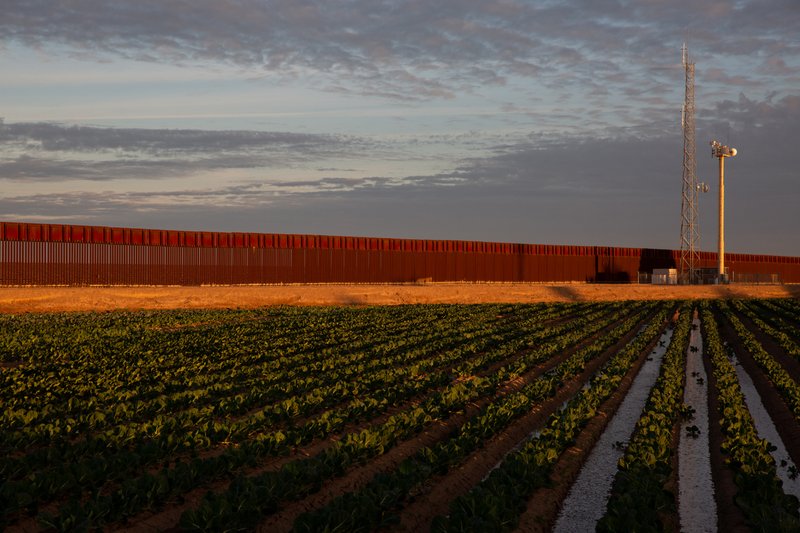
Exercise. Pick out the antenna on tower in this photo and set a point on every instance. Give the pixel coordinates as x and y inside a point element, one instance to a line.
<point>690,235</point>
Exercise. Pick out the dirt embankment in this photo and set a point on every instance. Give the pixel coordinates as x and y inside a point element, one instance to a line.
<point>44,299</point>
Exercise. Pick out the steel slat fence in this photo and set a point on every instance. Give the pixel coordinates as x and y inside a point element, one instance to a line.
<point>49,254</point>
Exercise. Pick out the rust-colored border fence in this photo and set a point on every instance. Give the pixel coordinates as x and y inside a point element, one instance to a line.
<point>55,254</point>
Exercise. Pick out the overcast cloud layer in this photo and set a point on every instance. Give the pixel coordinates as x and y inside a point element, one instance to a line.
<point>546,122</point>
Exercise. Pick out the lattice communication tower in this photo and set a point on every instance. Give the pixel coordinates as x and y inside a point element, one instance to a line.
<point>690,234</point>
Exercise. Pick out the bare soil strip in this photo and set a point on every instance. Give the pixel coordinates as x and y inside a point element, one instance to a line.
<point>696,507</point>
<point>50,299</point>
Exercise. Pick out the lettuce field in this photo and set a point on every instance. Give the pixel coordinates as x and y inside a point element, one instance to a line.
<point>403,418</point>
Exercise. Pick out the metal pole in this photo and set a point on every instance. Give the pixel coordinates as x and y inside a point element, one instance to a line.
<point>721,151</point>
<point>721,251</point>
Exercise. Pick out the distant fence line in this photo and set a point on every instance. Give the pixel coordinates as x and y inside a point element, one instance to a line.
<point>56,254</point>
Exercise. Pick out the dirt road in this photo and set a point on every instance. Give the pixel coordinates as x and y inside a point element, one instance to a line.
<point>43,299</point>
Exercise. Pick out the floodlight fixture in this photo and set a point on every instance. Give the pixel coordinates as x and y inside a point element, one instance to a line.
<point>720,150</point>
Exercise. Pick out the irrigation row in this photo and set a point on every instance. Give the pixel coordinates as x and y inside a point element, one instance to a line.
<point>696,505</point>
<point>644,487</point>
<point>695,494</point>
<point>586,502</point>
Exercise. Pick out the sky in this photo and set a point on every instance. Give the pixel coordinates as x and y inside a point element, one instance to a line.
<point>547,122</point>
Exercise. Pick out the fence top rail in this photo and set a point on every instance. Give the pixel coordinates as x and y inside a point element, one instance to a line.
<point>70,233</point>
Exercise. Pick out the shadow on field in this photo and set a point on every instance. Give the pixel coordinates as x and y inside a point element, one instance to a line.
<point>567,293</point>
<point>744,291</point>
<point>350,300</point>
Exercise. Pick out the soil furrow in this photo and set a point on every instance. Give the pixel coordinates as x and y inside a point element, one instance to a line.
<point>284,520</point>
<point>789,363</point>
<point>782,416</point>
<point>545,504</point>
<point>695,495</point>
<point>729,517</point>
<point>170,517</point>
<point>435,498</point>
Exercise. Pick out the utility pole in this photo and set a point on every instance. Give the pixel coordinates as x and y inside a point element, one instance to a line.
<point>721,151</point>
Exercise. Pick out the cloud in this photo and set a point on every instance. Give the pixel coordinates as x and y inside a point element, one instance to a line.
<point>619,186</point>
<point>54,152</point>
<point>409,50</point>
<point>617,191</point>
<point>33,169</point>
<point>597,163</point>
<point>58,137</point>
<point>720,76</point>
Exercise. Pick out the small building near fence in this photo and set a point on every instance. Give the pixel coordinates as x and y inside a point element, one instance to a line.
<point>665,276</point>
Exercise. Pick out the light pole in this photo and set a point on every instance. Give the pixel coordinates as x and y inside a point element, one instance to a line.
<point>721,151</point>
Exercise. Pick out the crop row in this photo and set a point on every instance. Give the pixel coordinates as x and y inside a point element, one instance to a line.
<point>52,339</point>
<point>498,501</point>
<point>197,363</point>
<point>89,465</point>
<point>790,304</point>
<point>191,360</point>
<point>787,387</point>
<point>272,385</point>
<point>101,465</point>
<point>638,494</point>
<point>774,327</point>
<point>248,393</point>
<point>214,397</point>
<point>783,319</point>
<point>760,496</point>
<point>261,495</point>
